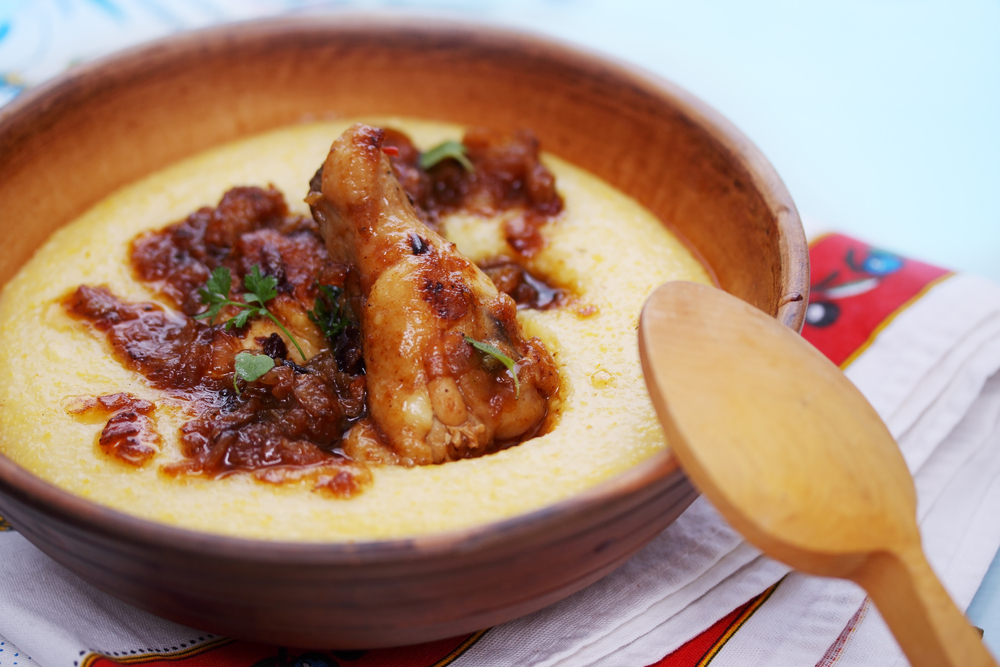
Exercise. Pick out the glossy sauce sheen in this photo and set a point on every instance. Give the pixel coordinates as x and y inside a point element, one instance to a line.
<point>130,434</point>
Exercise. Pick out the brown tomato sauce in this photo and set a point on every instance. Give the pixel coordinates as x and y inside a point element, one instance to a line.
<point>130,433</point>
<point>507,175</point>
<point>288,425</point>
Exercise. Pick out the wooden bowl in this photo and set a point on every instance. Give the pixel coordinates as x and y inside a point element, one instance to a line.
<point>72,142</point>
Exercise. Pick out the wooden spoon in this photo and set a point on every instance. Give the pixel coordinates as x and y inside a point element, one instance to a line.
<point>794,457</point>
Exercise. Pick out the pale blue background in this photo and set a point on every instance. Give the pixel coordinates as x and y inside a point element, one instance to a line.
<point>882,116</point>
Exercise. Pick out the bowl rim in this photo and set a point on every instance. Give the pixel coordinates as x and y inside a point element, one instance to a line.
<point>89,516</point>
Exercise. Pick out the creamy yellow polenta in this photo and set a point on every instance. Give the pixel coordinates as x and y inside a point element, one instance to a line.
<point>605,248</point>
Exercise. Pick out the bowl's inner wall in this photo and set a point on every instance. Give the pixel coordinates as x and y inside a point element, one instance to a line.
<point>105,128</point>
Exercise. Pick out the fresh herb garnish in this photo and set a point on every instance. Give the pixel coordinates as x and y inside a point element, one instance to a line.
<point>260,290</point>
<point>249,367</point>
<point>499,356</point>
<point>215,294</point>
<point>327,314</point>
<point>446,149</point>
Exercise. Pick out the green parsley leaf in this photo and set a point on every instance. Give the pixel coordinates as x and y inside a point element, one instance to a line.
<point>264,288</point>
<point>499,356</point>
<point>261,288</point>
<point>212,312</point>
<point>215,293</point>
<point>250,367</point>
<point>327,314</point>
<point>241,318</point>
<point>218,284</point>
<point>446,149</point>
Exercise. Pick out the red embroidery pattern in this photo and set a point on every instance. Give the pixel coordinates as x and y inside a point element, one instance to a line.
<point>836,650</point>
<point>699,651</point>
<point>856,290</point>
<point>227,652</point>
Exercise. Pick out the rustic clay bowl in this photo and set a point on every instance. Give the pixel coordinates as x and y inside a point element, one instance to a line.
<point>70,143</point>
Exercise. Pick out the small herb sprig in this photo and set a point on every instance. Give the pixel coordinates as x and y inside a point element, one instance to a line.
<point>260,290</point>
<point>446,149</point>
<point>327,314</point>
<point>250,367</point>
<point>499,356</point>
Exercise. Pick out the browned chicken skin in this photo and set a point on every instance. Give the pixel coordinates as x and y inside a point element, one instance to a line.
<point>433,396</point>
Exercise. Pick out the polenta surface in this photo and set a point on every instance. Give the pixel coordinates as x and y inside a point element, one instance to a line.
<point>604,248</point>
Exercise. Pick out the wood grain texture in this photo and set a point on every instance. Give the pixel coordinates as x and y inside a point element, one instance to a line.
<point>70,143</point>
<point>796,459</point>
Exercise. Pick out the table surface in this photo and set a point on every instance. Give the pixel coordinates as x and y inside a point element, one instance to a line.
<point>882,116</point>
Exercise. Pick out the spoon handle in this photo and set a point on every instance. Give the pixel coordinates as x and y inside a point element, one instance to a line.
<point>928,626</point>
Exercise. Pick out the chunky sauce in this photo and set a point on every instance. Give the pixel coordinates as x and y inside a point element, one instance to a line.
<point>527,289</point>
<point>130,434</point>
<point>507,175</point>
<point>306,419</point>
